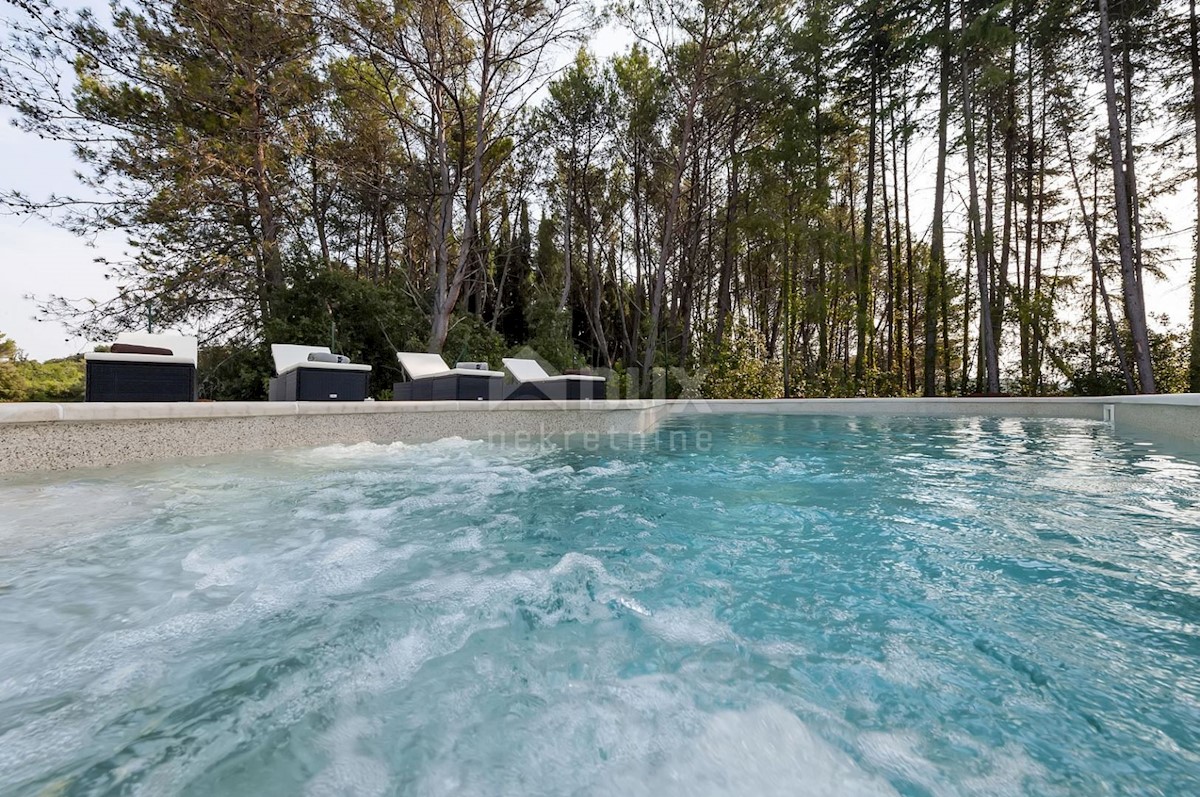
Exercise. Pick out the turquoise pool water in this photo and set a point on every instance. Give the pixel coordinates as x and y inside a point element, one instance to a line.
<point>811,606</point>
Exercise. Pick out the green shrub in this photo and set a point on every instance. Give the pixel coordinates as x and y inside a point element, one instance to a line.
<point>550,335</point>
<point>742,370</point>
<point>54,380</point>
<point>366,321</point>
<point>234,372</point>
<point>471,340</point>
<point>13,386</point>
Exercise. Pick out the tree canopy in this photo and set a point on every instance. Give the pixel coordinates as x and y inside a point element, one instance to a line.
<point>826,197</point>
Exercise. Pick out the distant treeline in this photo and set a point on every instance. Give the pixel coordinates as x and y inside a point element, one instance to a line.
<point>735,192</point>
<point>22,379</point>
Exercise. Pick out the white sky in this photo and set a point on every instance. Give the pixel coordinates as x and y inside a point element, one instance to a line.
<point>38,259</point>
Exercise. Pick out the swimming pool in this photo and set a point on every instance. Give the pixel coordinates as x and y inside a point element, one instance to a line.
<point>736,605</point>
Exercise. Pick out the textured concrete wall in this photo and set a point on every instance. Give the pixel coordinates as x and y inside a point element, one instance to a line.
<point>62,436</point>
<point>59,437</point>
<point>1175,421</point>
<point>1175,417</point>
<point>933,407</point>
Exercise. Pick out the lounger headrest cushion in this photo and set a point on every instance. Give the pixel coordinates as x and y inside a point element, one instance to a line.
<point>179,345</point>
<point>326,357</point>
<point>133,348</point>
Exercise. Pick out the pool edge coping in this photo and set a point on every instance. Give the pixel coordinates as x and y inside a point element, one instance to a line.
<point>49,436</point>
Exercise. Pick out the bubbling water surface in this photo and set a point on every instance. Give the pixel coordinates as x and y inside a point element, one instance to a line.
<point>742,605</point>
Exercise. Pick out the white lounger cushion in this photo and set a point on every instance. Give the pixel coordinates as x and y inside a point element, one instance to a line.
<point>183,349</point>
<point>425,366</point>
<point>532,371</point>
<point>289,357</point>
<point>567,378</point>
<point>328,367</point>
<point>161,359</point>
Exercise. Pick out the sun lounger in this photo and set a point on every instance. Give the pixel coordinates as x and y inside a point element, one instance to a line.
<point>142,367</point>
<point>534,383</point>
<point>313,373</point>
<point>430,379</point>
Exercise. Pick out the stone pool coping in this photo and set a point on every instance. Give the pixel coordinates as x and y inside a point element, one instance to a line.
<point>47,436</point>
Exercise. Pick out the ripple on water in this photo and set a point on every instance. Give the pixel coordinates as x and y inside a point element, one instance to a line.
<point>815,606</point>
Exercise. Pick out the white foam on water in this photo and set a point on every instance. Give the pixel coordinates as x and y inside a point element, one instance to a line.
<point>575,588</point>
<point>780,652</point>
<point>342,451</point>
<point>763,751</point>
<point>1005,772</point>
<point>215,571</point>
<point>352,550</point>
<point>688,626</point>
<point>644,736</point>
<point>370,520</point>
<point>783,466</point>
<point>617,510</point>
<point>897,754</point>
<point>613,468</point>
<point>632,605</point>
<point>350,772</point>
<point>468,539</point>
<point>394,667</point>
<point>351,564</point>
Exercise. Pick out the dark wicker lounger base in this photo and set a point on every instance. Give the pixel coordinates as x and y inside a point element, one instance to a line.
<point>558,390</point>
<point>455,387</point>
<point>106,380</point>
<point>320,384</point>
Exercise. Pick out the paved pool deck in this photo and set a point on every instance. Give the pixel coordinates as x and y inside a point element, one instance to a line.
<point>46,436</point>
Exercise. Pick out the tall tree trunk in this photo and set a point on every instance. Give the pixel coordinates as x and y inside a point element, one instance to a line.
<point>1037,346</point>
<point>1194,53</point>
<point>1094,325</point>
<point>724,300</point>
<point>1135,308</point>
<point>1098,272</point>
<point>320,210</point>
<point>935,277</point>
<point>909,264</point>
<point>1026,331</point>
<point>440,225</point>
<point>889,301</point>
<point>822,278</point>
<point>264,196</point>
<point>447,291</point>
<point>596,284</point>
<point>1135,220</point>
<point>944,295</point>
<point>568,224</point>
<point>786,303</point>
<point>969,269</point>
<point>987,341</point>
<point>640,245</point>
<point>862,312</point>
<point>670,216</point>
<point>898,300</point>
<point>1010,152</point>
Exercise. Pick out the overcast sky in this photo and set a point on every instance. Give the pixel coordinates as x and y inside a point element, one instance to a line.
<point>38,260</point>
